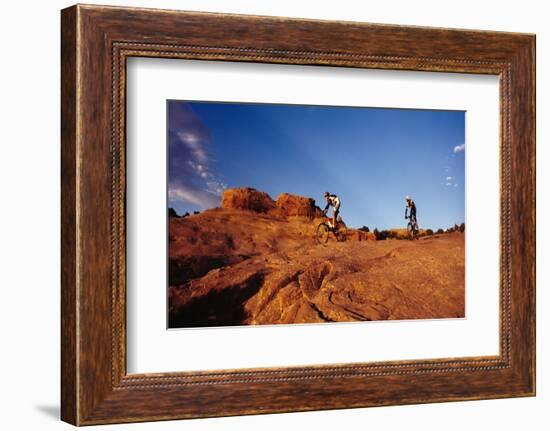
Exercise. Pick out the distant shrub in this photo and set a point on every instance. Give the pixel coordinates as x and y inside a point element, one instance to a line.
<point>382,235</point>
<point>429,232</point>
<point>462,227</point>
<point>196,212</point>
<point>172,212</point>
<point>385,234</point>
<point>440,230</point>
<point>364,229</point>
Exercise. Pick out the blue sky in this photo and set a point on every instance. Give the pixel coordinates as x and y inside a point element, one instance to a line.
<point>370,157</point>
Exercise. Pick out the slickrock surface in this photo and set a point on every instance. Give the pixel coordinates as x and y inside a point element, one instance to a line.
<point>233,267</point>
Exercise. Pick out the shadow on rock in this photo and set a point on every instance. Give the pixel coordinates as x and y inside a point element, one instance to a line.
<point>217,307</point>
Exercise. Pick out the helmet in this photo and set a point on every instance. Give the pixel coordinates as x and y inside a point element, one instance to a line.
<point>408,198</point>
<point>327,194</point>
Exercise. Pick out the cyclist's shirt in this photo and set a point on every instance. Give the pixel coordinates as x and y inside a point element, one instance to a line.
<point>412,207</point>
<point>334,201</point>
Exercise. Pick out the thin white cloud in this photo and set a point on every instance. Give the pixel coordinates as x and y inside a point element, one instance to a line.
<point>216,187</point>
<point>201,198</point>
<point>459,148</point>
<point>200,170</point>
<point>193,178</point>
<point>194,142</point>
<point>448,184</point>
<point>450,178</point>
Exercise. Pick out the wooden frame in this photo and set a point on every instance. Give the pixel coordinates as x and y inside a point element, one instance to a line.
<point>96,41</point>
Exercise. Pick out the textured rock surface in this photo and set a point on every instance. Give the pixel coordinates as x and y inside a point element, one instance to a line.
<point>247,198</point>
<point>359,235</point>
<point>233,267</point>
<point>293,205</point>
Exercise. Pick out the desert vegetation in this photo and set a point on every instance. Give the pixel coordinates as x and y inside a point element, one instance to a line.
<point>401,234</point>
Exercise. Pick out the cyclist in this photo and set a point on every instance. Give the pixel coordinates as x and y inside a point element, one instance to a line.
<point>334,201</point>
<point>411,209</point>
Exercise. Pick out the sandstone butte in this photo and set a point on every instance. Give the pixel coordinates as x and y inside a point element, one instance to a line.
<point>255,261</point>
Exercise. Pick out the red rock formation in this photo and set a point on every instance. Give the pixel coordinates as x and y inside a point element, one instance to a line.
<point>294,205</point>
<point>359,235</point>
<point>247,198</point>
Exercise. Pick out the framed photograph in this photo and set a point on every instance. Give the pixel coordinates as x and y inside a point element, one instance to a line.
<point>321,214</point>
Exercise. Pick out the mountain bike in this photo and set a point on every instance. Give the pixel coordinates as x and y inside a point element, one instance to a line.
<point>325,228</point>
<point>412,228</point>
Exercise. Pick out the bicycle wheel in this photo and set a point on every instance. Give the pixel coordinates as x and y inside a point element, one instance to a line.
<point>341,234</point>
<point>322,233</point>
